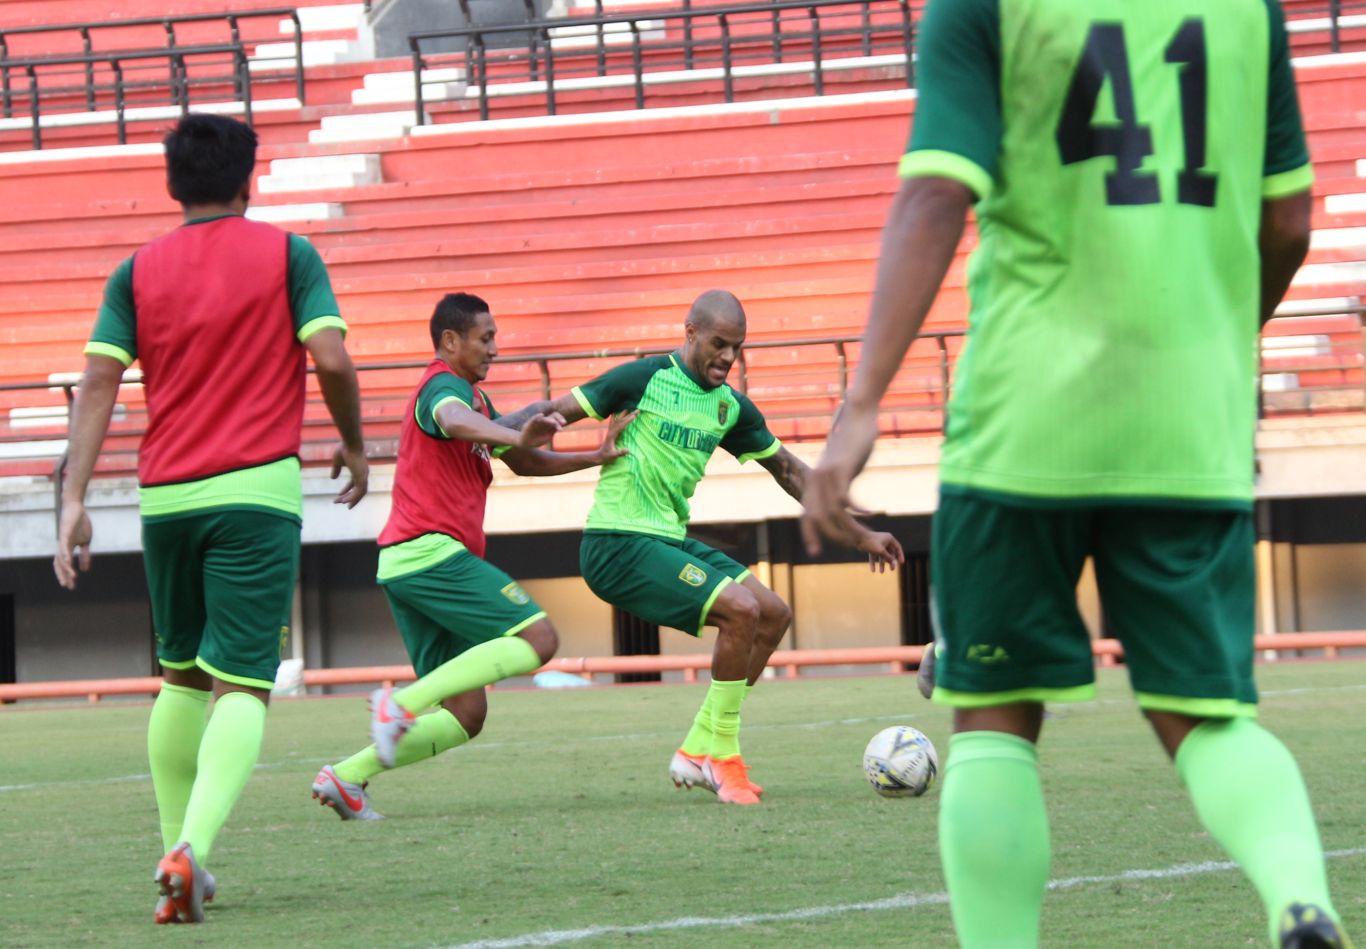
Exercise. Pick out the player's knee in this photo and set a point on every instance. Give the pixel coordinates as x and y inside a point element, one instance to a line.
<point>740,611</point>
<point>543,638</point>
<point>777,616</point>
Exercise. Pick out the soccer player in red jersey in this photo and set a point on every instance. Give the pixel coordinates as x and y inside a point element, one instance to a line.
<point>465,623</point>
<point>219,312</point>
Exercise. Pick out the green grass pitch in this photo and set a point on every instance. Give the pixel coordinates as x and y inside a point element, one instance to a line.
<point>558,826</point>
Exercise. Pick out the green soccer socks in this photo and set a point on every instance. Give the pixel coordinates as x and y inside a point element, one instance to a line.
<point>993,839</point>
<point>1249,794</point>
<point>430,736</point>
<point>725,699</point>
<point>174,731</point>
<point>227,756</point>
<point>475,668</point>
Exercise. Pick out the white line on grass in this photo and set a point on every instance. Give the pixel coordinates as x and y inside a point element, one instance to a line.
<point>559,937</point>
<point>750,729</point>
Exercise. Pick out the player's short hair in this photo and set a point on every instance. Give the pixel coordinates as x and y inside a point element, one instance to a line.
<point>456,311</point>
<point>713,305</point>
<point>209,158</point>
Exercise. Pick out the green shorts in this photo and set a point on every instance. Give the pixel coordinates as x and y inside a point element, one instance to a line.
<point>663,581</point>
<point>455,605</point>
<point>1177,584</point>
<point>222,587</point>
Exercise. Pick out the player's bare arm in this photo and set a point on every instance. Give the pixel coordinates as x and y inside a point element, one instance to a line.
<point>540,463</point>
<point>923,229</point>
<point>794,476</point>
<point>341,392</point>
<point>90,415</point>
<point>461,422</point>
<point>1283,241</point>
<point>566,406</point>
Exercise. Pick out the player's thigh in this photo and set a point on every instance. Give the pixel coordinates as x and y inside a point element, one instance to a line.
<point>455,605</point>
<point>671,583</point>
<point>1179,588</point>
<point>1004,584</point>
<point>171,554</point>
<point>251,563</point>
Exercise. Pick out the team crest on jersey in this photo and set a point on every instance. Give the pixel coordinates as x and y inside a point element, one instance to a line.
<point>722,410</point>
<point>693,575</point>
<point>516,594</point>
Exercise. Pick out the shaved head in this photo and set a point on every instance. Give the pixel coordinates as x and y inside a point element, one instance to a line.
<point>715,306</point>
<point>714,332</point>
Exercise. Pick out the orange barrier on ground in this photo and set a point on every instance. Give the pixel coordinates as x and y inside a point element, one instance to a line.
<point>791,662</point>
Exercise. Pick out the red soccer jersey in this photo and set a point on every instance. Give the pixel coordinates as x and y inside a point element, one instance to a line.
<point>223,369</point>
<point>440,484</point>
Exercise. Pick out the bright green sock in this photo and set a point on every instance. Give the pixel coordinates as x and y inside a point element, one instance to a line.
<point>475,668</point>
<point>227,756</point>
<point>726,698</point>
<point>698,740</point>
<point>1249,794</point>
<point>429,736</point>
<point>173,733</point>
<point>993,839</point>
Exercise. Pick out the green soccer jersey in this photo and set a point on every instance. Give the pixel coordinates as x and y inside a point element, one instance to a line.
<point>1121,152</point>
<point>681,423</point>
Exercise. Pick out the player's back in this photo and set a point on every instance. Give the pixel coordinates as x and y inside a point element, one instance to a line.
<point>223,370</point>
<point>1115,295</point>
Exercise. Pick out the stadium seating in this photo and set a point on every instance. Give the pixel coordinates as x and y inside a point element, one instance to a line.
<point>593,233</point>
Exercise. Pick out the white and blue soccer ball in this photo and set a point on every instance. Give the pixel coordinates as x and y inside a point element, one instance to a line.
<point>900,762</point>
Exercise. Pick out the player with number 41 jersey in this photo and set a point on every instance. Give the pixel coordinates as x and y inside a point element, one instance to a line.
<point>1141,185</point>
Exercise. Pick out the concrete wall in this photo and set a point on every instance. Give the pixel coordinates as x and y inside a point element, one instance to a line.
<point>845,605</point>
<point>1330,586</point>
<point>104,628</point>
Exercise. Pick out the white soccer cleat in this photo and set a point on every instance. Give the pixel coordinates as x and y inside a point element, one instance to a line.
<point>389,722</point>
<point>345,797</point>
<point>686,771</point>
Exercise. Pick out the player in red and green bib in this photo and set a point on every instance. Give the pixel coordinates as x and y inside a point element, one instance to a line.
<point>635,552</point>
<point>219,313</point>
<point>465,623</point>
<point>1142,194</point>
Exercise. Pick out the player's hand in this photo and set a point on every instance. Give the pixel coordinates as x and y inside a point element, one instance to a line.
<point>540,429</point>
<point>358,466</point>
<point>73,532</point>
<point>883,550</point>
<point>826,494</point>
<point>608,450</point>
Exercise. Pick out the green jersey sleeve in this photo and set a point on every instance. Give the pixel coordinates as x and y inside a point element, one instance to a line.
<point>311,299</point>
<point>1286,169</point>
<point>956,132</point>
<point>618,389</point>
<point>750,438</point>
<point>437,392</point>
<point>116,326</point>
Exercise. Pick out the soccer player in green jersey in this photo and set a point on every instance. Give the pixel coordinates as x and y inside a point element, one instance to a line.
<point>219,312</point>
<point>1141,185</point>
<point>465,623</point>
<point>636,553</point>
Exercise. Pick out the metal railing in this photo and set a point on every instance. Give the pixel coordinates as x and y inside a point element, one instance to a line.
<point>1335,11</point>
<point>714,42</point>
<point>179,61</point>
<point>122,78</point>
<point>110,29</point>
<point>923,385</point>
